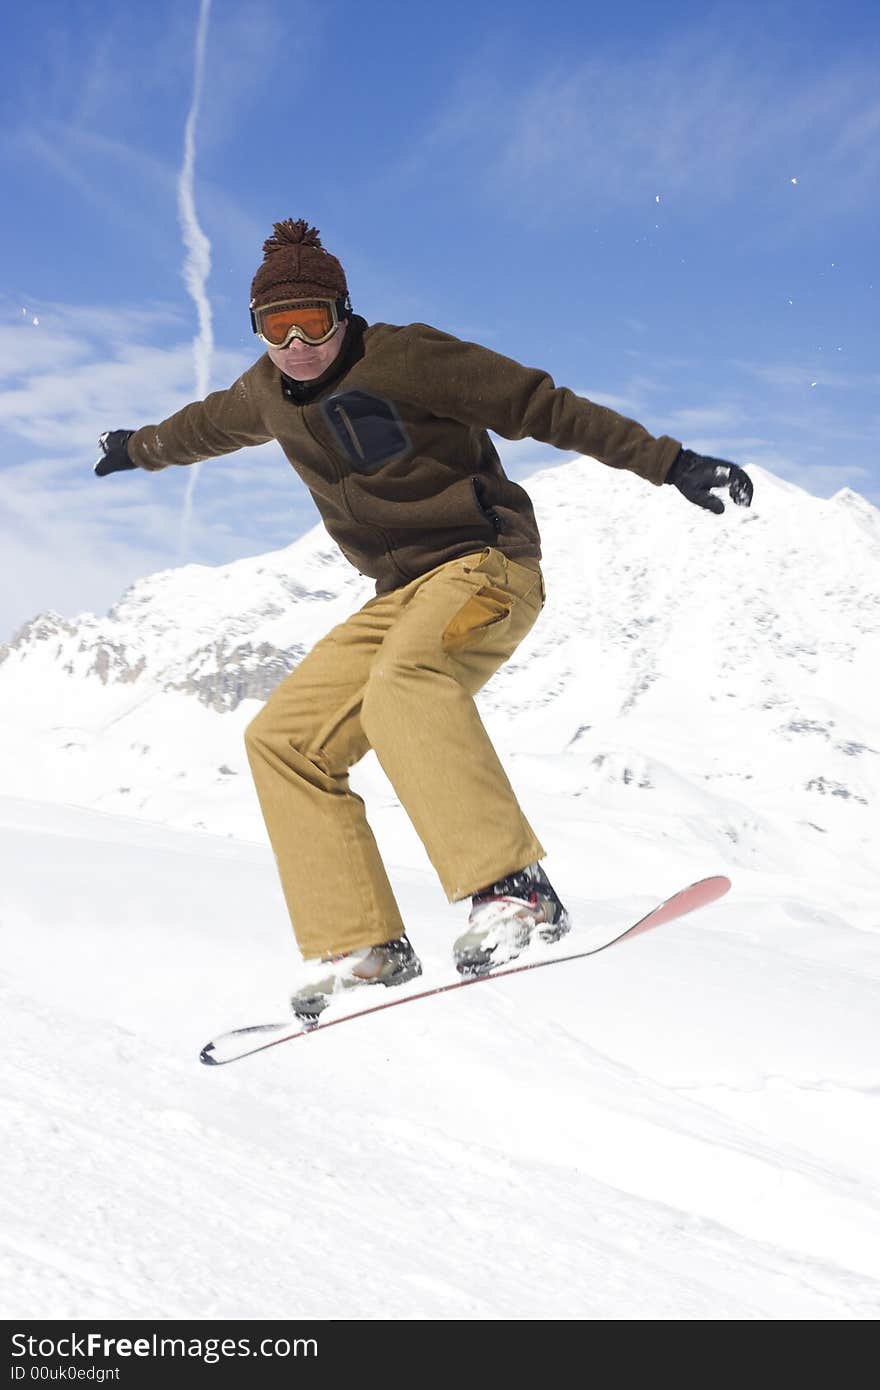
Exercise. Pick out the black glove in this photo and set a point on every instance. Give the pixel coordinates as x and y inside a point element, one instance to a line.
<point>695,474</point>
<point>114,455</point>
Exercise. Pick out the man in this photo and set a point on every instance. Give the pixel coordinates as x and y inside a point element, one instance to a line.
<point>387,427</point>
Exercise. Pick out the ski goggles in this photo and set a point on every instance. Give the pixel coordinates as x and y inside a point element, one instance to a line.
<point>313,321</point>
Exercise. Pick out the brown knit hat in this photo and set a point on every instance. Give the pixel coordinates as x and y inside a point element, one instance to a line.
<point>296,266</point>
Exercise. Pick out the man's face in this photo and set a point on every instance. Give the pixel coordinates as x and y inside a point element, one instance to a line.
<point>305,361</point>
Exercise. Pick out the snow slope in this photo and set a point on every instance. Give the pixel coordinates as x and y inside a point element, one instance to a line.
<point>684,1127</point>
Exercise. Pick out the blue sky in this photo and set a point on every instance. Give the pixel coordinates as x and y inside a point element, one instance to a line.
<point>672,208</point>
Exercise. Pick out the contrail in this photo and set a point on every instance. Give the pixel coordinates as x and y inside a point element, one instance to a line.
<point>197,266</point>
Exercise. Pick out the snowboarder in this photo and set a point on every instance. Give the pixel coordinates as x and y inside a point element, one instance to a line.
<point>387,427</point>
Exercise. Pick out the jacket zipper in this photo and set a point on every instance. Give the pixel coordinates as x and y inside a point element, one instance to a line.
<point>341,476</point>
<point>487,512</point>
<point>350,430</point>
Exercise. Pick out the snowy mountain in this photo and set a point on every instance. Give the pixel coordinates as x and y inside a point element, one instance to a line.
<point>710,680</point>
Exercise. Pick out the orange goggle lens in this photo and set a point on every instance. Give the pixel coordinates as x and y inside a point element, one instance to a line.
<point>314,323</point>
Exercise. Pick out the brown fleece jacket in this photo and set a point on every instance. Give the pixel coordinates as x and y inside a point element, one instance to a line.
<point>394,449</point>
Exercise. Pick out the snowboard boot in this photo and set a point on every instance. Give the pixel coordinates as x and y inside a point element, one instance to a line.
<point>505,916</point>
<point>391,963</point>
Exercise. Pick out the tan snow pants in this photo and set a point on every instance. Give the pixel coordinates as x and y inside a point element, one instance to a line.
<point>398,676</point>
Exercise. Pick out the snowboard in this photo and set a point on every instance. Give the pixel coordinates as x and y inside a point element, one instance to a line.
<point>245,1042</point>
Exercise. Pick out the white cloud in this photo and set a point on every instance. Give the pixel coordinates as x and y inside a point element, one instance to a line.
<point>801,374</point>
<point>698,420</point>
<point>85,370</point>
<point>706,113</point>
<point>71,540</point>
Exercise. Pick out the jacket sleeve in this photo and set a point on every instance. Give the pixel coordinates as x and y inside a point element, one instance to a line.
<point>469,383</point>
<point>223,422</point>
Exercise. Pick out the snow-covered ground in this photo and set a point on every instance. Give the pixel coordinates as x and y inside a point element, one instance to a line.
<point>683,1127</point>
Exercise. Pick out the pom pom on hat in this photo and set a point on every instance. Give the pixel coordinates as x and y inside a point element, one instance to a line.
<point>296,266</point>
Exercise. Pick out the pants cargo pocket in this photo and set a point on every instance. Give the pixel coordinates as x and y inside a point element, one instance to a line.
<point>481,612</point>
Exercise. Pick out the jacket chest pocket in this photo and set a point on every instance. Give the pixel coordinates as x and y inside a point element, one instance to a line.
<point>367,428</point>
